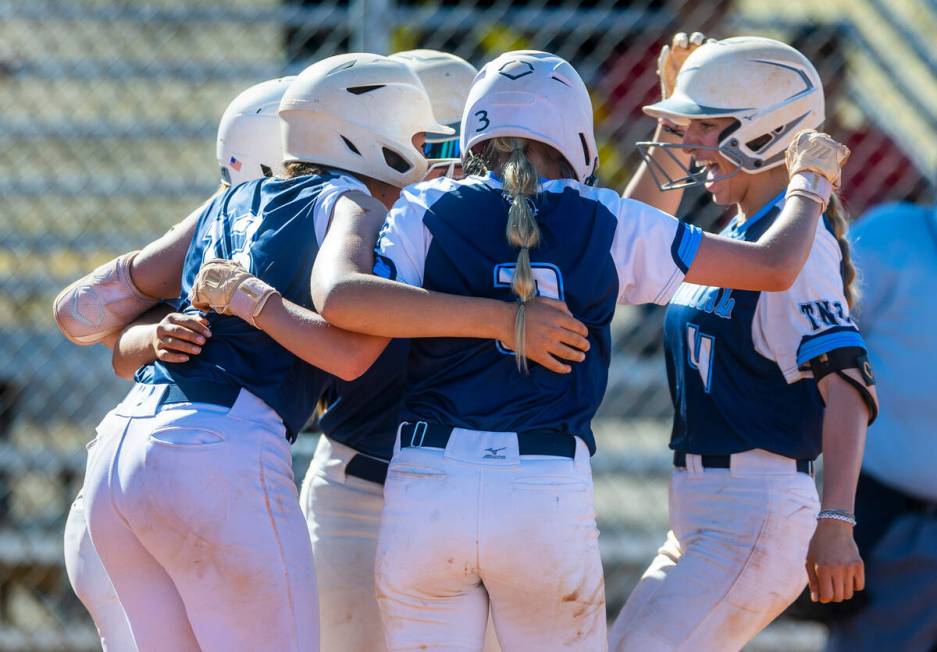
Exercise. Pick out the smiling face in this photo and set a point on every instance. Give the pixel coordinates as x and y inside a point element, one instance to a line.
<point>705,132</point>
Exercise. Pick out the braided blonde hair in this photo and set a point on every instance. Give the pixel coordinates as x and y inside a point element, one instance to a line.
<point>839,221</point>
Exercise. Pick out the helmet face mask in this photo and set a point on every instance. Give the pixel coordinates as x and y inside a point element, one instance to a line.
<point>769,88</point>
<point>693,175</point>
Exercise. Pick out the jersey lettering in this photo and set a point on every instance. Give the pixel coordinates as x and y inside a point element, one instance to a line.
<point>824,313</point>
<point>711,300</point>
<point>547,277</point>
<point>700,352</point>
<point>243,231</point>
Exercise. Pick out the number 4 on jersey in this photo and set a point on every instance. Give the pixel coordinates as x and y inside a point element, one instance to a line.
<point>700,351</point>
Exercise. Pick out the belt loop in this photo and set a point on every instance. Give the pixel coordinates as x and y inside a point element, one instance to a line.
<point>417,428</point>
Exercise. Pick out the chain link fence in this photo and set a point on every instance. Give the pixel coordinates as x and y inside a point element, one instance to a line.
<point>108,112</point>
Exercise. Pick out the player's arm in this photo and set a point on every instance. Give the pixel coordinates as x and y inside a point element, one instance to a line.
<point>775,260</point>
<point>96,307</point>
<point>348,294</point>
<point>834,568</point>
<point>158,334</point>
<point>670,163</point>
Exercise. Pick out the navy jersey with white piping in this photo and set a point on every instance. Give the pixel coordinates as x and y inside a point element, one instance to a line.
<point>364,413</point>
<point>596,249</point>
<point>736,359</point>
<point>273,227</point>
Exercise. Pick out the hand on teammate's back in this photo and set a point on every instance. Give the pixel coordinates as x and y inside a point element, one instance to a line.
<point>178,336</point>
<point>835,570</point>
<point>553,335</point>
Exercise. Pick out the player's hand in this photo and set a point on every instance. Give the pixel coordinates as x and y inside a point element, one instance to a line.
<point>834,568</point>
<point>178,336</point>
<point>228,289</point>
<point>814,151</point>
<point>553,335</point>
<point>672,57</point>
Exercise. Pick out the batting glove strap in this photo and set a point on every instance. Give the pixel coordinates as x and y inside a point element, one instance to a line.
<point>837,515</point>
<point>812,186</point>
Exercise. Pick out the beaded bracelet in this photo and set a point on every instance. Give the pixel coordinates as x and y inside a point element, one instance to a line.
<point>837,515</point>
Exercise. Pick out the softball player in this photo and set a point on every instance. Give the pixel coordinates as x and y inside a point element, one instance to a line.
<point>487,457</point>
<point>762,382</point>
<point>191,501</point>
<point>222,418</point>
<point>247,148</point>
<point>342,493</point>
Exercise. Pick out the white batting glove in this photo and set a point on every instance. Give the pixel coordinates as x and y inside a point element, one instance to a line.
<point>814,162</point>
<point>672,57</point>
<point>228,289</point>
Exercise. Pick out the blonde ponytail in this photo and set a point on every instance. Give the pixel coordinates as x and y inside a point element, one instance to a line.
<point>839,220</point>
<point>521,182</point>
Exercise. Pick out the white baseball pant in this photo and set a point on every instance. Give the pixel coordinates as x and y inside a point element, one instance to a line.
<point>343,514</point>
<point>733,560</point>
<point>460,530</point>
<point>194,512</point>
<point>91,584</point>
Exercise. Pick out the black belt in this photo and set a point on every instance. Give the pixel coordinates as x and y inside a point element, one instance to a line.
<point>202,392</point>
<point>424,434</point>
<point>367,468</point>
<point>725,462</point>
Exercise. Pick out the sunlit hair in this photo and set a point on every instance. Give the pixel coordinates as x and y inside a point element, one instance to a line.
<point>839,222</point>
<point>293,169</point>
<point>508,157</point>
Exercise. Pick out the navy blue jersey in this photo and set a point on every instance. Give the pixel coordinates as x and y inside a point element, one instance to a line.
<point>273,227</point>
<point>736,359</point>
<point>596,249</point>
<point>364,413</point>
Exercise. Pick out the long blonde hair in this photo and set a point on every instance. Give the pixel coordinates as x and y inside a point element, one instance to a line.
<point>508,157</point>
<point>839,223</point>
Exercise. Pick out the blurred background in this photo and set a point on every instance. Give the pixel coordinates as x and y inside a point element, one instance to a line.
<point>108,112</point>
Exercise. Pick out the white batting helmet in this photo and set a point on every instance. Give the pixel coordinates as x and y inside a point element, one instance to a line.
<point>359,112</point>
<point>771,89</point>
<point>534,95</point>
<point>248,145</point>
<point>447,79</point>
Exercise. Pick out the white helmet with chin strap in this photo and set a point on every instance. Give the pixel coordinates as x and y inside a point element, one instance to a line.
<point>447,79</point>
<point>359,112</point>
<point>771,89</point>
<point>538,96</point>
<point>248,145</point>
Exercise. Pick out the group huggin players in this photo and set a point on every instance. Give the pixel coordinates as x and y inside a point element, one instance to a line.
<point>451,491</point>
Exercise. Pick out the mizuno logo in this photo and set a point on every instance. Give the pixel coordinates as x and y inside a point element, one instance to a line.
<point>493,453</point>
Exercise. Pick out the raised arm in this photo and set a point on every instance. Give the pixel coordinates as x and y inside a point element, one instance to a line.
<point>773,262</point>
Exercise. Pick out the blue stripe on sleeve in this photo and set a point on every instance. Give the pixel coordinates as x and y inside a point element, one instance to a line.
<point>836,338</point>
<point>685,245</point>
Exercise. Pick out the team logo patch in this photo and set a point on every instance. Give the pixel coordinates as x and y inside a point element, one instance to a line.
<point>492,453</point>
<point>516,69</point>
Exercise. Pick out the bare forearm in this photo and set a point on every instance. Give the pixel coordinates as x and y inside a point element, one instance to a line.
<point>133,349</point>
<point>308,336</point>
<point>770,264</point>
<point>642,185</point>
<point>844,430</point>
<point>368,304</point>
